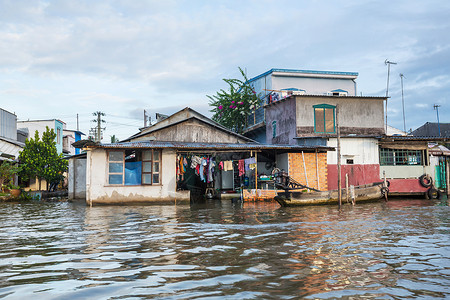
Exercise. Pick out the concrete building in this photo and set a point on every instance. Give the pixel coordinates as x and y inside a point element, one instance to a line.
<point>70,137</point>
<point>10,147</point>
<point>41,125</point>
<point>276,84</point>
<point>311,120</point>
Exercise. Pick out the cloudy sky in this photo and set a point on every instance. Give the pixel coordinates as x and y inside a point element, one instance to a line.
<point>63,58</point>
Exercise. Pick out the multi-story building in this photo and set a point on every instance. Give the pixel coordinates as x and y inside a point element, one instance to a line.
<point>40,126</point>
<point>276,84</point>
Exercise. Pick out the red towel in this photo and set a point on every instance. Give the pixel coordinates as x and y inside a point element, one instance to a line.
<point>241,167</point>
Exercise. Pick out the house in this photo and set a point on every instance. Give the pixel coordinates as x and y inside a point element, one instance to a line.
<point>10,147</point>
<point>41,125</point>
<point>313,119</point>
<point>276,84</point>
<point>433,130</point>
<point>184,156</point>
<point>405,160</point>
<point>70,137</point>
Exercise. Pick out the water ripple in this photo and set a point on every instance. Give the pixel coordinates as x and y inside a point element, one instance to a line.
<point>399,249</point>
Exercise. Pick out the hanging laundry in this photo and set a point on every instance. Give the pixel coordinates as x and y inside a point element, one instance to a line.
<point>203,164</point>
<point>241,167</point>
<point>211,166</point>
<point>252,166</point>
<point>195,161</point>
<point>248,162</point>
<point>221,165</point>
<point>228,165</point>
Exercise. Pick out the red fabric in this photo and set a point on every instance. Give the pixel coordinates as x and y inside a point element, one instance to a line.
<point>241,167</point>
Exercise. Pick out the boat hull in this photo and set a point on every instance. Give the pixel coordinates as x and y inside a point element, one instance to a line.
<point>361,193</point>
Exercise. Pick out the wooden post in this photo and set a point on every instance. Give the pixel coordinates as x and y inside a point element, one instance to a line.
<point>385,185</point>
<point>338,131</point>
<point>317,171</point>
<point>304,169</point>
<point>256,171</point>
<point>346,186</point>
<point>447,176</point>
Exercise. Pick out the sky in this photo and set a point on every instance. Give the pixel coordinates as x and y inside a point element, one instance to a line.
<point>68,59</point>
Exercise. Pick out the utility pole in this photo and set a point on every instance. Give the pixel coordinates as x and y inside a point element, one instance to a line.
<point>388,63</point>
<point>78,124</point>
<point>338,132</point>
<point>403,103</point>
<point>436,108</point>
<point>98,129</point>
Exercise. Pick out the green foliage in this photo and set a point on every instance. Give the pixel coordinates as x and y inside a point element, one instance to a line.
<point>7,171</point>
<point>231,108</point>
<point>40,158</point>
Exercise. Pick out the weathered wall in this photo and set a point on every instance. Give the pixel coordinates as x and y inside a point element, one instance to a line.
<point>365,155</point>
<point>99,192</point>
<point>361,150</point>
<point>77,178</point>
<point>407,171</point>
<point>309,169</point>
<point>356,115</point>
<point>193,130</point>
<point>284,115</point>
<point>357,175</point>
<point>8,124</point>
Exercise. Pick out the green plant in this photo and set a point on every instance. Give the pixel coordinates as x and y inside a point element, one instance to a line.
<point>13,187</point>
<point>7,171</point>
<point>231,108</point>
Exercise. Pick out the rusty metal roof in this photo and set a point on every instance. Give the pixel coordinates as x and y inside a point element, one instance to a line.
<point>207,146</point>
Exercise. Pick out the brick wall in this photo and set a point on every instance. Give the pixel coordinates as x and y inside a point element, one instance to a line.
<point>312,160</point>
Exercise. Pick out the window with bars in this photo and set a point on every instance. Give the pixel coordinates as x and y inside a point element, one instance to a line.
<point>401,157</point>
<point>324,121</point>
<point>134,167</point>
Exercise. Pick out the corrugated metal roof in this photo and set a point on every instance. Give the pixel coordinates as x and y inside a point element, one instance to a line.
<point>207,146</point>
<point>415,138</point>
<point>303,72</point>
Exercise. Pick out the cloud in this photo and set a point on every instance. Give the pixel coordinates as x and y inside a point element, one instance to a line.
<point>125,56</point>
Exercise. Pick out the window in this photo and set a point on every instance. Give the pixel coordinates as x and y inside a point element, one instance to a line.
<point>151,166</point>
<point>115,166</point>
<point>399,157</point>
<point>324,118</point>
<point>58,136</point>
<point>134,167</point>
<point>274,129</point>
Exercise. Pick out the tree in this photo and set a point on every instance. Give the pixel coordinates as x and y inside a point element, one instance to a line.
<point>231,108</point>
<point>40,159</point>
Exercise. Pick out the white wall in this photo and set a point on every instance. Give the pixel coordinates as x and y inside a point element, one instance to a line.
<point>314,86</point>
<point>363,151</point>
<point>98,190</point>
<point>353,112</point>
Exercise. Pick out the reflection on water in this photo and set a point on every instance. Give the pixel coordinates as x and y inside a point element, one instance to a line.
<point>398,249</point>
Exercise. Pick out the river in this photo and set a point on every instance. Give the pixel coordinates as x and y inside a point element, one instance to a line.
<point>225,250</point>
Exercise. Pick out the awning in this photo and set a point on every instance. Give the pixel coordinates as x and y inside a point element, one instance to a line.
<point>439,150</point>
<point>405,145</point>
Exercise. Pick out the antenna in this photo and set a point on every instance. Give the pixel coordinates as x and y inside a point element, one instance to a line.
<point>388,63</point>
<point>436,108</point>
<point>403,103</point>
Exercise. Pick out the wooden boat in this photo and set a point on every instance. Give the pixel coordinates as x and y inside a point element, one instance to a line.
<point>368,192</point>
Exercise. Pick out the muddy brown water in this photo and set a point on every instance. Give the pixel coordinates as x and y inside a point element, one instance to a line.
<point>225,250</point>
